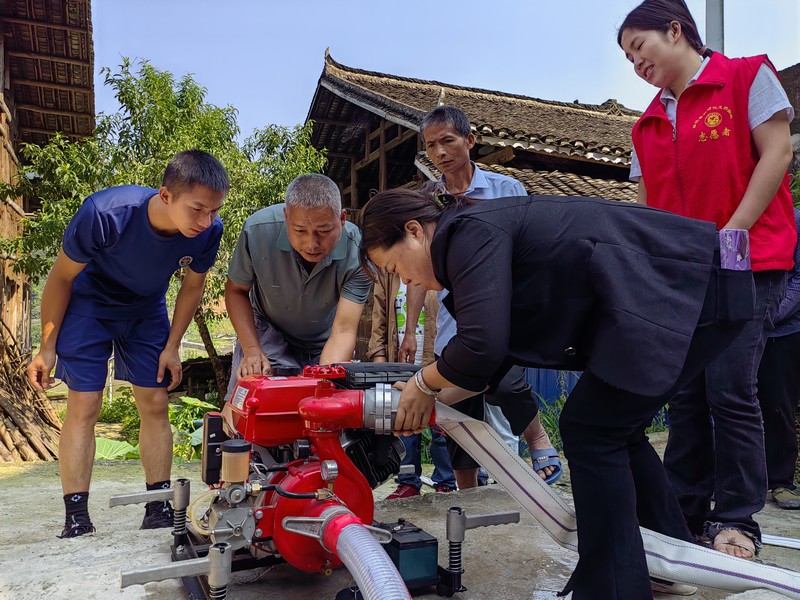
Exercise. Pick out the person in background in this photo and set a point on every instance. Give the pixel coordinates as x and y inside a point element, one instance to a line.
<point>779,391</point>
<point>395,339</point>
<point>714,144</point>
<point>511,409</point>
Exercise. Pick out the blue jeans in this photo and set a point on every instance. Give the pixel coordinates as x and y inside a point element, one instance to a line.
<point>716,437</point>
<point>442,472</point>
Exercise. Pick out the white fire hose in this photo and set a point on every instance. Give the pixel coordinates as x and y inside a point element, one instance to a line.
<point>667,558</point>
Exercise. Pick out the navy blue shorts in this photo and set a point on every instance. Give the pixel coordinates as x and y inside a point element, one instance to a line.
<point>84,346</point>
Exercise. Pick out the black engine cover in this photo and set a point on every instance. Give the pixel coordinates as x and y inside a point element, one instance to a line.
<point>378,457</point>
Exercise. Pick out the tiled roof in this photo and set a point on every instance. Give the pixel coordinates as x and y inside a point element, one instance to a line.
<point>790,78</point>
<point>597,132</point>
<point>550,183</point>
<point>50,59</point>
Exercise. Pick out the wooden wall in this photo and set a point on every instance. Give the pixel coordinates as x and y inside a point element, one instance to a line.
<point>15,299</point>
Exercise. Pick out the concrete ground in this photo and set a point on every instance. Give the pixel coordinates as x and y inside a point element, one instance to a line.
<point>508,562</point>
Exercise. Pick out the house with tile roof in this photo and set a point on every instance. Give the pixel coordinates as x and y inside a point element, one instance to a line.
<point>369,124</point>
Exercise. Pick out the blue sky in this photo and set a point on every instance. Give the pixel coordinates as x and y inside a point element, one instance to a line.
<point>265,56</point>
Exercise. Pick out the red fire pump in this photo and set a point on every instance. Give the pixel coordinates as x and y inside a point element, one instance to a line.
<point>315,447</point>
<point>292,481</point>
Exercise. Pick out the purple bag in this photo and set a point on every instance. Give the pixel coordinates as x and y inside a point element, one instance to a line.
<point>734,249</point>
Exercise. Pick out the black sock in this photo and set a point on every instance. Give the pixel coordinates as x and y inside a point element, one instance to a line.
<point>158,505</point>
<point>76,504</point>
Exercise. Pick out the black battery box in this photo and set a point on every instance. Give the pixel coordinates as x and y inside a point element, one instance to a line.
<point>414,552</point>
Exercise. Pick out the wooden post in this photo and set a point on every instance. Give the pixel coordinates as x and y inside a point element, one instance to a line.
<point>5,81</point>
<point>383,175</point>
<point>353,183</point>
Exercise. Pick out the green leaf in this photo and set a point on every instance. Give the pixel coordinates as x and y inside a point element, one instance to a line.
<point>189,401</point>
<point>196,439</point>
<point>112,449</point>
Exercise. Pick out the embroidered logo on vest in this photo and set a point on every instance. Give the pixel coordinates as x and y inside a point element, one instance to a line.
<point>715,122</point>
<point>713,119</point>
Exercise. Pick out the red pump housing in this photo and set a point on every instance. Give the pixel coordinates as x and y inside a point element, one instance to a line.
<point>271,412</point>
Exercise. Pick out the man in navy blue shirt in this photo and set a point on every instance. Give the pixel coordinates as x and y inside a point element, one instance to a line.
<point>107,290</point>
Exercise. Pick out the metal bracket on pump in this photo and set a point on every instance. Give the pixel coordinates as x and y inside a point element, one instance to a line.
<point>314,527</point>
<point>457,524</point>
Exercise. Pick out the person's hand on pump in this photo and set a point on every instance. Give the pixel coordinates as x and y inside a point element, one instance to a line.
<point>415,406</point>
<point>254,362</point>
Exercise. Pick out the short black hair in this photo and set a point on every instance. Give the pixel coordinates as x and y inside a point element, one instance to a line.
<point>195,167</point>
<point>447,115</point>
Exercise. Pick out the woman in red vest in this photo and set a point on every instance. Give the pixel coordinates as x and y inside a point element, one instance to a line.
<point>715,145</point>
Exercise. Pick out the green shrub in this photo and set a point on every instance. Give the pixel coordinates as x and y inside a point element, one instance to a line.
<point>659,422</point>
<point>549,413</point>
<point>425,454</point>
<point>182,417</point>
<point>122,406</point>
<point>122,409</point>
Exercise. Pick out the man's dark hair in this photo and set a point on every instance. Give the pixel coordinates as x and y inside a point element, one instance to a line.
<point>195,167</point>
<point>447,115</point>
<point>656,15</point>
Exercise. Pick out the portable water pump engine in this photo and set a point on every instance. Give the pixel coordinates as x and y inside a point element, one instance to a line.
<point>291,472</point>
<point>309,450</point>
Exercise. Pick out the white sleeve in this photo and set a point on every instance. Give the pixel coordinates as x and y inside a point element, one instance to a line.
<point>636,169</point>
<point>767,97</point>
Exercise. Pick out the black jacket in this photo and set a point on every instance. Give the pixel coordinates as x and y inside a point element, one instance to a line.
<point>571,283</point>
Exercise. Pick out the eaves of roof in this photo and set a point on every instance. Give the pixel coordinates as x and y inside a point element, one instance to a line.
<point>49,57</point>
<point>549,183</point>
<point>594,132</point>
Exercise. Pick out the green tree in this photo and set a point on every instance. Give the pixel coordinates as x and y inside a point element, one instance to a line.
<point>158,117</point>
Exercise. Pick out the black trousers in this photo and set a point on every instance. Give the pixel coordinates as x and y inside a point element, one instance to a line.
<point>716,435</point>
<point>779,394</point>
<point>618,480</point>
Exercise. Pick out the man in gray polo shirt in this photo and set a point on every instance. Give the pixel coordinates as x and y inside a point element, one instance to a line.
<point>295,290</point>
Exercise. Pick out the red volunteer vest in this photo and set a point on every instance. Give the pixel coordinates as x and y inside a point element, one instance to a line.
<point>702,167</point>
